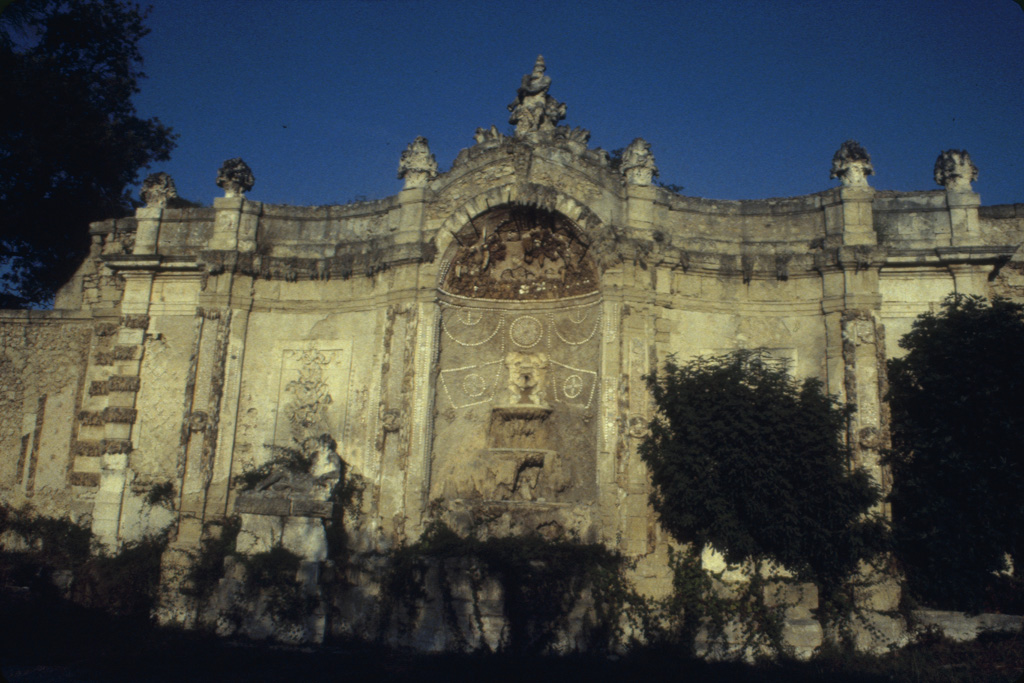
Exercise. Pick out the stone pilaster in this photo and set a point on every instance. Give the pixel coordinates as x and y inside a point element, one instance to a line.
<point>855,355</point>
<point>204,391</point>
<point>640,209</point>
<point>963,217</point>
<point>147,233</point>
<point>608,437</point>
<point>411,214</point>
<point>110,414</point>
<point>417,488</point>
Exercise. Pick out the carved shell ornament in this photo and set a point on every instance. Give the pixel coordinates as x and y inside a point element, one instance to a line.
<point>521,253</point>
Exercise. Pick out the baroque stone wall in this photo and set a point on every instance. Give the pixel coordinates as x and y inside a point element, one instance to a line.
<point>474,346</point>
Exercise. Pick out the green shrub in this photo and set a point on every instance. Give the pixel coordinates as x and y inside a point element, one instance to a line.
<point>59,543</point>
<point>747,459</point>
<point>124,584</point>
<point>541,580</point>
<point>273,575</point>
<point>208,569</point>
<point>957,458</point>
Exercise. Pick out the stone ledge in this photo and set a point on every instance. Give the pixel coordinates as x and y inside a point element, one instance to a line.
<point>256,504</point>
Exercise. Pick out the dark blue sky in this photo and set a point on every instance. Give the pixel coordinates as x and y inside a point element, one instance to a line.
<point>739,99</point>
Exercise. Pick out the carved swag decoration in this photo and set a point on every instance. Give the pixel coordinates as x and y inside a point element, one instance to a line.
<point>522,253</point>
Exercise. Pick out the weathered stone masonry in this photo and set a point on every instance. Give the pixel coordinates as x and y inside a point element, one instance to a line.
<point>475,345</point>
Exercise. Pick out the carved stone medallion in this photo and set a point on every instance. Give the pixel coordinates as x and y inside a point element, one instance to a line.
<point>526,331</point>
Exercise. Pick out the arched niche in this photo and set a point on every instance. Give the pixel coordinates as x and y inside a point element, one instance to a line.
<point>517,385</point>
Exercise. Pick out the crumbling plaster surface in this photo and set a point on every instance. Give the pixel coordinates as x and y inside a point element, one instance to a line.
<point>43,362</point>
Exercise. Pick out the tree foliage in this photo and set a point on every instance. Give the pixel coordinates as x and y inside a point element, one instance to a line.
<point>957,458</point>
<point>747,459</point>
<point>71,144</point>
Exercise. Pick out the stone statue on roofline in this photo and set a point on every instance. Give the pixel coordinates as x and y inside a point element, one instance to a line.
<point>417,165</point>
<point>235,177</point>
<point>852,165</point>
<point>955,171</point>
<point>157,190</point>
<point>638,163</point>
<point>534,110</point>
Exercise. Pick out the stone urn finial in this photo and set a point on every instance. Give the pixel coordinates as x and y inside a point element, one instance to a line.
<point>534,109</point>
<point>417,165</point>
<point>157,189</point>
<point>955,171</point>
<point>852,165</point>
<point>235,177</point>
<point>638,163</point>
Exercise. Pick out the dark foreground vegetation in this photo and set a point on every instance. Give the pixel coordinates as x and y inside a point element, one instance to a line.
<point>43,638</point>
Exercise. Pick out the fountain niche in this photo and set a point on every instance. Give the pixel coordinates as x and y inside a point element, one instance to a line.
<point>517,391</point>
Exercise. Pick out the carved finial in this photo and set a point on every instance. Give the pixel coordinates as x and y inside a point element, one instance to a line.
<point>417,164</point>
<point>852,165</point>
<point>955,170</point>
<point>638,163</point>
<point>235,177</point>
<point>535,110</point>
<point>157,189</point>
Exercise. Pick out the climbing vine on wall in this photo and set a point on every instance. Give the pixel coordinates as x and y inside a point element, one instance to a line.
<point>542,582</point>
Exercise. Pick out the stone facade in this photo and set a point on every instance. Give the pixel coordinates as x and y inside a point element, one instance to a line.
<point>475,345</point>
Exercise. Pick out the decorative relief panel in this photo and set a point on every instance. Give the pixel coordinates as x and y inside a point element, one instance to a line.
<point>498,333</point>
<point>311,379</point>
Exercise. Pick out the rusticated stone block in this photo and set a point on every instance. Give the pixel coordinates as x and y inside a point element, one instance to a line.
<point>254,504</point>
<point>117,446</point>
<point>119,415</point>
<point>85,478</point>
<point>91,418</point>
<point>305,507</point>
<point>104,358</point>
<point>882,595</point>
<point>124,352</point>
<point>105,329</point>
<point>98,388</point>
<point>87,449</point>
<point>803,636</point>
<point>135,322</point>
<point>123,383</point>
